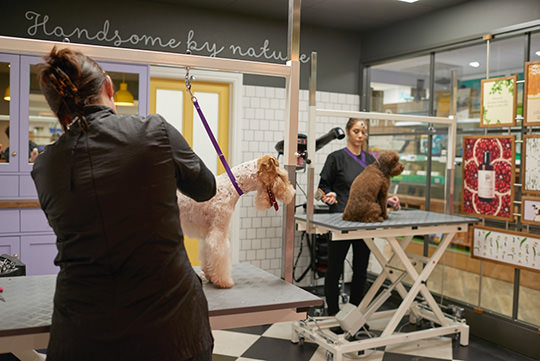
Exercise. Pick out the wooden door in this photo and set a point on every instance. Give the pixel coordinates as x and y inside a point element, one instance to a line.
<point>169,98</point>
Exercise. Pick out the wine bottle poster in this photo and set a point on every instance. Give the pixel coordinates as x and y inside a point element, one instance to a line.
<point>516,248</point>
<point>531,102</point>
<point>531,166</point>
<point>488,176</point>
<point>498,99</point>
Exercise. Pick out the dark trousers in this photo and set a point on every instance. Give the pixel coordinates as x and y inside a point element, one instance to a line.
<point>337,251</point>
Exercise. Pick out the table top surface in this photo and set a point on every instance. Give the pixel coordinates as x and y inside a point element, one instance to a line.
<point>29,299</point>
<point>396,219</point>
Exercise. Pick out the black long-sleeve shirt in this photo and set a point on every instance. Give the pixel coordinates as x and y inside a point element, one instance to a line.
<point>126,289</point>
<point>338,174</point>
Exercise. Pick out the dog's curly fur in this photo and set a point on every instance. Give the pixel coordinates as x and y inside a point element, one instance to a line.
<point>369,191</point>
<point>209,221</point>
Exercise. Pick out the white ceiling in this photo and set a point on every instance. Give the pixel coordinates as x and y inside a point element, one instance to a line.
<point>351,15</point>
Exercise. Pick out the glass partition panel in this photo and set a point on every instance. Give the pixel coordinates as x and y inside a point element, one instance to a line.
<point>534,54</point>
<point>465,67</point>
<point>529,294</point>
<point>468,67</point>
<point>43,126</point>
<point>497,288</point>
<point>4,112</point>
<point>411,142</point>
<point>399,87</point>
<point>126,97</point>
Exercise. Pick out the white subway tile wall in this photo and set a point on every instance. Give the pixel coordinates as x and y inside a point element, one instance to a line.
<point>263,124</point>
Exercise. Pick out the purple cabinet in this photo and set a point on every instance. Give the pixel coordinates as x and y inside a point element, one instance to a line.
<point>10,245</point>
<point>9,221</point>
<point>9,185</point>
<point>38,253</point>
<point>25,231</point>
<point>34,220</point>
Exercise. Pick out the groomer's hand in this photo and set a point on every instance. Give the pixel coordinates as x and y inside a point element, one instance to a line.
<point>329,198</point>
<point>394,202</point>
<point>33,155</point>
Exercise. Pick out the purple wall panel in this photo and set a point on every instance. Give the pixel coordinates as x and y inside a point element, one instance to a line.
<point>9,221</point>
<point>9,186</point>
<point>34,220</point>
<point>38,253</point>
<point>10,245</point>
<point>27,186</point>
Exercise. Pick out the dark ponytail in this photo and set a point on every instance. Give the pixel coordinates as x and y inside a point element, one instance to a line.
<point>69,80</point>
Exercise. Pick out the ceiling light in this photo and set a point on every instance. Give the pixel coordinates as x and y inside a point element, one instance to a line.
<point>7,96</point>
<point>123,96</point>
<point>408,1</point>
<point>538,53</point>
<point>474,64</point>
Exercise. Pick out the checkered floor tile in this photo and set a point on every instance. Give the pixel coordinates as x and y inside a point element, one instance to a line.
<point>272,343</point>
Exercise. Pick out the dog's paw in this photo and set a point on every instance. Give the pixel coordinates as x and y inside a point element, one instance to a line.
<point>224,283</point>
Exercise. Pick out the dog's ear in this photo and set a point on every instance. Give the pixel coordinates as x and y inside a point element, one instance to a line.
<point>274,161</point>
<point>384,163</point>
<point>397,167</point>
<point>267,162</point>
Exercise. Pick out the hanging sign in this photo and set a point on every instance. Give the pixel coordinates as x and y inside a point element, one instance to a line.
<point>499,97</point>
<point>531,101</point>
<point>518,249</point>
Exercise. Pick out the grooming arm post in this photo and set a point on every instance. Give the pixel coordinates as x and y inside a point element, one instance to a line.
<point>311,142</point>
<point>291,134</point>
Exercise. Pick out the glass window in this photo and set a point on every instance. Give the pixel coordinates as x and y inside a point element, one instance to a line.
<point>529,294</point>
<point>4,112</point>
<point>401,87</point>
<point>126,86</point>
<point>535,47</point>
<point>44,127</point>
<point>467,66</point>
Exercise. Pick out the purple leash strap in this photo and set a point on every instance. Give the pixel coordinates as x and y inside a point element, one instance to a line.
<point>216,145</point>
<point>361,161</point>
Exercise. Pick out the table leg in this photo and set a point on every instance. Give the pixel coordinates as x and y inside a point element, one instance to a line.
<point>419,283</point>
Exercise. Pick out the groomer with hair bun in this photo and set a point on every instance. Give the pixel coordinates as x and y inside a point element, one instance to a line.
<point>338,173</point>
<point>125,289</point>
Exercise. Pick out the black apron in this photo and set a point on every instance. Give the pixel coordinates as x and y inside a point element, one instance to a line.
<point>126,289</point>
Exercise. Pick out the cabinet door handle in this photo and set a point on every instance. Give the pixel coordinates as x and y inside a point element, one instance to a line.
<point>14,154</point>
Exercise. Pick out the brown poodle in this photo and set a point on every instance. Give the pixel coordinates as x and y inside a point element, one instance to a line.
<point>369,191</point>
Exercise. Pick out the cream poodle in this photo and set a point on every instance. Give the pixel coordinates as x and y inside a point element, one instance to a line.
<point>209,221</point>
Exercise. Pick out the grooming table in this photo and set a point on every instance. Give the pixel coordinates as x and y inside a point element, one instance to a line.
<point>404,224</point>
<point>257,298</point>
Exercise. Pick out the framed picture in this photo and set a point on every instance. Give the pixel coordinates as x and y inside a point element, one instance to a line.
<point>531,100</point>
<point>498,99</point>
<point>518,249</point>
<point>488,176</point>
<point>531,165</point>
<point>530,210</point>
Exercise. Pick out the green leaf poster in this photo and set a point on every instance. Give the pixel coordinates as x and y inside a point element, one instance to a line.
<point>499,97</point>
<point>516,248</point>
